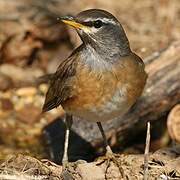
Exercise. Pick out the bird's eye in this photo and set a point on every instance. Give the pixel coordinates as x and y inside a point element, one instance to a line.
<point>98,23</point>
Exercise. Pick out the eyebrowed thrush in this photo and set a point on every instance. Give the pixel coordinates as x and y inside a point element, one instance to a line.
<point>102,78</point>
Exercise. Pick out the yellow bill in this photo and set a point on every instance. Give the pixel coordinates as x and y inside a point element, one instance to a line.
<point>74,24</point>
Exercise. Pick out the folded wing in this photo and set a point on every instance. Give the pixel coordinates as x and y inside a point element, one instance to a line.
<point>60,85</point>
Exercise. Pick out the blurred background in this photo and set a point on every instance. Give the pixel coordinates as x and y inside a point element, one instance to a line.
<point>33,42</point>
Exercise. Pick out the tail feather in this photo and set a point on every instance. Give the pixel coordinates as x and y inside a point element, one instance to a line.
<point>50,105</point>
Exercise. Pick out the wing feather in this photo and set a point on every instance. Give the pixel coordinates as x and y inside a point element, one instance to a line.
<point>60,84</point>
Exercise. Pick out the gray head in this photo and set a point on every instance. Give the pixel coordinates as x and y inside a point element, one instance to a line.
<point>101,30</point>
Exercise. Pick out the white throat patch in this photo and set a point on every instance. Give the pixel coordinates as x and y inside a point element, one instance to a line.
<point>94,61</point>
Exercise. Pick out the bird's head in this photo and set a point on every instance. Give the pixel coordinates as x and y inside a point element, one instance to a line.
<point>100,29</point>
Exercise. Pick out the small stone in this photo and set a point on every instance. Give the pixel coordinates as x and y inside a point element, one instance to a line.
<point>43,88</point>
<point>7,94</point>
<point>5,82</point>
<point>90,171</point>
<point>6,104</point>
<point>18,103</point>
<point>29,114</point>
<point>26,91</point>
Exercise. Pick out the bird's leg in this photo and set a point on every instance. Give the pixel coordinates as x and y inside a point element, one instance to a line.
<point>68,122</point>
<point>109,153</point>
<point>66,172</point>
<point>107,146</point>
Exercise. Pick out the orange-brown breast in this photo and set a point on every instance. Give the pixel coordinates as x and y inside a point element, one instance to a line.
<point>108,93</point>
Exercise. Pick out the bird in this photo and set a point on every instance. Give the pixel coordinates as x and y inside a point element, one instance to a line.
<point>101,79</point>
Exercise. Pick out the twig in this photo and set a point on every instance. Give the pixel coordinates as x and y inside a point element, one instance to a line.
<point>146,153</point>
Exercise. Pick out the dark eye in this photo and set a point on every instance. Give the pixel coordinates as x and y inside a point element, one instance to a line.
<point>98,23</point>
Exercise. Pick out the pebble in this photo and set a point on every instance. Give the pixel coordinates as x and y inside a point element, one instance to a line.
<point>89,171</point>
<point>29,114</point>
<point>5,82</point>
<point>26,91</point>
<point>43,88</point>
<point>7,94</point>
<point>6,104</point>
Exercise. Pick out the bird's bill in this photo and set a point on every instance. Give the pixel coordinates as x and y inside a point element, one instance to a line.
<point>72,22</point>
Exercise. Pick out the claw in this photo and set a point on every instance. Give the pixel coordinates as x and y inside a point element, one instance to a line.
<point>111,157</point>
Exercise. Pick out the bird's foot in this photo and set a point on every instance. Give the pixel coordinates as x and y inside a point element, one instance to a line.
<point>68,171</point>
<point>67,168</point>
<point>65,165</point>
<point>109,158</point>
<point>72,165</point>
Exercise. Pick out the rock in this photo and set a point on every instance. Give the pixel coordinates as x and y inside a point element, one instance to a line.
<point>89,171</point>
<point>20,75</point>
<point>173,123</point>
<point>26,91</point>
<point>6,104</point>
<point>43,88</point>
<point>29,114</point>
<point>5,82</point>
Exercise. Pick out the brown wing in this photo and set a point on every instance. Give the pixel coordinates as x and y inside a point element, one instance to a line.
<point>60,84</point>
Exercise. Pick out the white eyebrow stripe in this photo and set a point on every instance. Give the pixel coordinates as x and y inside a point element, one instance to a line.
<point>105,20</point>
